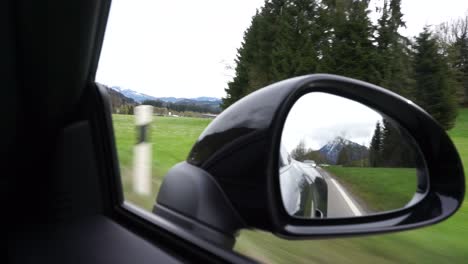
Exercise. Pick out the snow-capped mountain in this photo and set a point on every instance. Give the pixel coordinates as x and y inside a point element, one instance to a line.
<point>168,99</point>
<point>140,97</point>
<point>333,148</point>
<point>207,99</point>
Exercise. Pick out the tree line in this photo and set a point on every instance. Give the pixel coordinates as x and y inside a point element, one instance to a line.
<point>301,153</point>
<point>349,155</point>
<point>288,38</point>
<point>183,107</point>
<point>391,147</point>
<point>120,104</point>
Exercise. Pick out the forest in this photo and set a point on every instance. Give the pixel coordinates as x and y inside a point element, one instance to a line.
<point>290,38</point>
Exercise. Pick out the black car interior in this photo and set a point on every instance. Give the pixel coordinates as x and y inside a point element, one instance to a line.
<point>63,192</point>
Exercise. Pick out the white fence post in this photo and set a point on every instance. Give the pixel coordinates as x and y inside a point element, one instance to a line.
<point>142,151</point>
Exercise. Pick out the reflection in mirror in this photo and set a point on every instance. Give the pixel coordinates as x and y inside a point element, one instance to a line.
<point>340,158</point>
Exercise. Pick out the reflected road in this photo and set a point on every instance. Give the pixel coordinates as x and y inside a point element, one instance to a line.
<point>340,201</point>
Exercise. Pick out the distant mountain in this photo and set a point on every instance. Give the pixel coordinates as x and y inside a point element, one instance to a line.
<point>138,97</point>
<point>333,148</point>
<point>120,103</point>
<point>184,104</point>
<point>168,99</point>
<point>207,99</point>
<point>197,100</point>
<point>118,99</point>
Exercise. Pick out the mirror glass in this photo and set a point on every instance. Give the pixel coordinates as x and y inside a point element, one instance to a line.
<point>339,158</point>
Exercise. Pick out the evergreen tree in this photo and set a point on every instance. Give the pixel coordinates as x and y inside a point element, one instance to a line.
<point>344,157</point>
<point>461,63</point>
<point>295,37</point>
<point>295,45</point>
<point>350,50</point>
<point>280,43</point>
<point>453,37</point>
<point>392,59</point>
<point>375,146</point>
<point>395,150</point>
<point>245,56</point>
<point>433,91</point>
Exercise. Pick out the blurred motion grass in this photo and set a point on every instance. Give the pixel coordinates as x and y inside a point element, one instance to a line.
<point>380,189</point>
<point>172,139</point>
<point>446,242</point>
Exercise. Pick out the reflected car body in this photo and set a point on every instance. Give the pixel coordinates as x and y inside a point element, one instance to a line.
<point>303,189</point>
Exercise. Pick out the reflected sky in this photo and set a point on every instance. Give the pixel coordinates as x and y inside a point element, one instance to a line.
<point>317,118</point>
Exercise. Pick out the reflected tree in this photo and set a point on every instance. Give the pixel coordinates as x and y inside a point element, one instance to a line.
<point>343,156</point>
<point>375,147</point>
<point>299,153</point>
<point>390,147</point>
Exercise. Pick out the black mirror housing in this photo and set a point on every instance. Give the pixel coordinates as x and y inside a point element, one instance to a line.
<point>239,150</point>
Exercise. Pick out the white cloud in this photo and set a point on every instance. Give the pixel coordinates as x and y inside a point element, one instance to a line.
<point>317,118</point>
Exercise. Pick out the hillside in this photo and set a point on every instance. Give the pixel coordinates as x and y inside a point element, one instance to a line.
<point>332,149</point>
<point>119,102</point>
<point>141,97</point>
<point>136,96</point>
<point>201,104</point>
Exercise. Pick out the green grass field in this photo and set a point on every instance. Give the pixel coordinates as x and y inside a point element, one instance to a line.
<point>443,243</point>
<point>378,189</point>
<point>172,140</point>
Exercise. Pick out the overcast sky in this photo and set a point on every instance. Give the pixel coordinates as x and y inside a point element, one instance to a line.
<point>317,118</point>
<point>183,48</point>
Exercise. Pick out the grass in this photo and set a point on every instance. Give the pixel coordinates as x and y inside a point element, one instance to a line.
<point>378,189</point>
<point>172,139</point>
<point>443,243</point>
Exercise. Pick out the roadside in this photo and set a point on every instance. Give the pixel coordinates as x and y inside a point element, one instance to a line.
<point>341,202</point>
<point>379,189</point>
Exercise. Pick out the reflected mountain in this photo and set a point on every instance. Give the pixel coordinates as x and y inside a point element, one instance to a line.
<point>342,151</point>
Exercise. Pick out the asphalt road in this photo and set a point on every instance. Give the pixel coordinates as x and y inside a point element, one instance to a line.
<point>340,201</point>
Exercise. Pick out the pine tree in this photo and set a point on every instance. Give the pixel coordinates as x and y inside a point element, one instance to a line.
<point>344,157</point>
<point>388,143</point>
<point>462,62</point>
<point>350,50</point>
<point>453,37</point>
<point>245,56</point>
<point>280,43</point>
<point>296,41</point>
<point>433,91</point>
<point>375,146</point>
<point>392,58</point>
<point>395,150</point>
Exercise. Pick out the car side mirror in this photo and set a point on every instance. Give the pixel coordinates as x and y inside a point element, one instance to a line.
<point>369,164</point>
<point>315,156</point>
